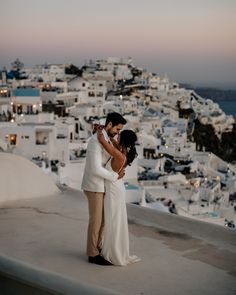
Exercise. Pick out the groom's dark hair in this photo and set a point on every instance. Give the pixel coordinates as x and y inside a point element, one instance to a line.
<point>115,119</point>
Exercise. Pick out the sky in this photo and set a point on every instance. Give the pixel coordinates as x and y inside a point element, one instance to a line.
<point>192,41</point>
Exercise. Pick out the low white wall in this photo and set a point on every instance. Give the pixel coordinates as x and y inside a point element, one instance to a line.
<point>22,179</point>
<point>17,278</point>
<point>183,226</point>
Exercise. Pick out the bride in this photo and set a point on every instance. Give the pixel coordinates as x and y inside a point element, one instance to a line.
<point>116,236</point>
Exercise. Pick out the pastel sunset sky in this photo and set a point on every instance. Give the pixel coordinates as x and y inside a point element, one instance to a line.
<point>190,40</point>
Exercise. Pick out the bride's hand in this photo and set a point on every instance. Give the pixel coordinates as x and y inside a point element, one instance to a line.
<point>100,135</point>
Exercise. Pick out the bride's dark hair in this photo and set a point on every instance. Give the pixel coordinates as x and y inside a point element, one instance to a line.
<point>127,140</point>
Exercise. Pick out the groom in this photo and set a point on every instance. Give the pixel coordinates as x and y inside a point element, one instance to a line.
<point>94,187</point>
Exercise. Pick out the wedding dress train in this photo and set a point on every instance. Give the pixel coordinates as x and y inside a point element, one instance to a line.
<point>116,236</point>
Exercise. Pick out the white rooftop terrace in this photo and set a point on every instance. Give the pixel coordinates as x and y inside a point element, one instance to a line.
<point>48,234</point>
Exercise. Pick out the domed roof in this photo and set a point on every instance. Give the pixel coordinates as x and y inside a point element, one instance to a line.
<point>22,179</point>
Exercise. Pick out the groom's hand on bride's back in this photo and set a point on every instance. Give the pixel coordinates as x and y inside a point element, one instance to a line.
<point>121,174</point>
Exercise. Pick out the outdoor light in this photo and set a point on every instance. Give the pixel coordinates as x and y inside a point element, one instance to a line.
<point>44,155</point>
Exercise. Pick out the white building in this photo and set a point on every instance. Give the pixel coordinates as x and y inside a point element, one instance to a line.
<point>55,140</point>
<point>47,72</point>
<point>26,100</point>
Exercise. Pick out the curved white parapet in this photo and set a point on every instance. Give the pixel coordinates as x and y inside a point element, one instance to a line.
<point>17,277</point>
<point>22,179</point>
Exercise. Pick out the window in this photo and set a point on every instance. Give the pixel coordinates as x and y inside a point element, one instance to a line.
<point>91,94</point>
<point>13,138</point>
<point>41,138</point>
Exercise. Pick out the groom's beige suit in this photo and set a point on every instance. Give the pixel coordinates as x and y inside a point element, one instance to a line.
<point>93,185</point>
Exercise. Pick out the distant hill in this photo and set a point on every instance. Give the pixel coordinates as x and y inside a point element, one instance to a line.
<point>212,93</point>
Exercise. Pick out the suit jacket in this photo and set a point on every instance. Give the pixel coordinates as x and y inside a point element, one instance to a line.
<point>94,171</point>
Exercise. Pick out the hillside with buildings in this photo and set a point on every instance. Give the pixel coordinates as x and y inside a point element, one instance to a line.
<point>186,143</point>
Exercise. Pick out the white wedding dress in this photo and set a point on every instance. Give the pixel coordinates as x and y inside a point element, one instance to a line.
<point>116,236</point>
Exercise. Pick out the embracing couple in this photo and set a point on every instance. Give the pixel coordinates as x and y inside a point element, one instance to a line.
<point>106,160</point>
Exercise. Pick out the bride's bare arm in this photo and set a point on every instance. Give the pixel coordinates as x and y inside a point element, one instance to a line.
<point>113,151</point>
<point>115,143</point>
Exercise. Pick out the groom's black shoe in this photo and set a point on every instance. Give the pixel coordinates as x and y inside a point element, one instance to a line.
<point>98,260</point>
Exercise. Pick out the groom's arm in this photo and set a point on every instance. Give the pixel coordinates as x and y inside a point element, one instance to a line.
<point>96,163</point>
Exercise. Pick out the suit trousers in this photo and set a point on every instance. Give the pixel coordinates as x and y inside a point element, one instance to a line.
<point>96,222</point>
